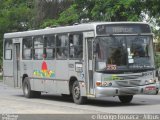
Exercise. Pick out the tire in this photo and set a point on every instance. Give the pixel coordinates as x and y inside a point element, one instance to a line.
<point>36,94</point>
<point>126,98</point>
<point>28,93</point>
<point>76,94</point>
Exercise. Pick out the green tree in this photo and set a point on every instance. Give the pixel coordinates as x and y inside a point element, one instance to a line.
<point>152,8</point>
<point>47,10</point>
<point>110,10</point>
<point>15,15</point>
<point>67,17</point>
<point>100,10</point>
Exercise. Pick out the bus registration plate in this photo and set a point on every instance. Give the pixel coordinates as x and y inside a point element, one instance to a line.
<point>150,90</point>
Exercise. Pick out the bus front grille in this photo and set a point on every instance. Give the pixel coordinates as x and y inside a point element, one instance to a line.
<point>128,83</point>
<point>128,90</point>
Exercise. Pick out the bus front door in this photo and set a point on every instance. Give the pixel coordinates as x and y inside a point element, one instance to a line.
<point>89,66</point>
<point>16,64</point>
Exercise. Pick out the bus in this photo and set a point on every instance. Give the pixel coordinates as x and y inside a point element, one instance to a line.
<point>89,60</point>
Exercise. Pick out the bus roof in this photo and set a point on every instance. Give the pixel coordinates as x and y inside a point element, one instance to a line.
<point>63,29</point>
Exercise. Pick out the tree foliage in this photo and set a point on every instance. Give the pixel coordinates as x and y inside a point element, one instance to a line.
<point>67,17</point>
<point>20,15</point>
<point>110,10</point>
<point>15,15</point>
<point>48,11</point>
<point>107,10</point>
<point>152,9</point>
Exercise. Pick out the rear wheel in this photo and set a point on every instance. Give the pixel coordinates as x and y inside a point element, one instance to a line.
<point>125,98</point>
<point>77,98</point>
<point>28,93</point>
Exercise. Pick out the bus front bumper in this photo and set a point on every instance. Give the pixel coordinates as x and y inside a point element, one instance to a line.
<point>115,91</point>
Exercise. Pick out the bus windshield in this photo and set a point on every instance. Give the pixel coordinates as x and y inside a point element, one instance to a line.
<point>126,53</point>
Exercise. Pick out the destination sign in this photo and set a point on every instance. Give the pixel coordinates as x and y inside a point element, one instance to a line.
<point>122,29</point>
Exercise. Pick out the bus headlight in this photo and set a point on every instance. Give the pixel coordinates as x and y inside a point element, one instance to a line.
<point>103,84</point>
<point>151,81</point>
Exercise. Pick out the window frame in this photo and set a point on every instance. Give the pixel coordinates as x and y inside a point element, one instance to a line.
<point>59,47</point>
<point>31,38</point>
<point>11,55</point>
<point>33,49</point>
<point>53,48</point>
<point>77,33</point>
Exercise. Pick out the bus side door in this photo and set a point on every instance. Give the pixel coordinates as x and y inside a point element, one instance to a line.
<point>89,62</point>
<point>16,62</point>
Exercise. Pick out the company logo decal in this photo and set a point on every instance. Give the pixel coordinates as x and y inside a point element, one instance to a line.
<point>44,72</point>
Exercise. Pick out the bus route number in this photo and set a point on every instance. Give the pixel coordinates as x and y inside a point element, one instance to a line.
<point>111,67</point>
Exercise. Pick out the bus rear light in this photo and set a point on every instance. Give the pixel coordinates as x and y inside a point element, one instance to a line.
<point>98,83</point>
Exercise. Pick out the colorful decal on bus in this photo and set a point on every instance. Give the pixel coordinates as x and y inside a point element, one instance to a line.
<point>44,72</point>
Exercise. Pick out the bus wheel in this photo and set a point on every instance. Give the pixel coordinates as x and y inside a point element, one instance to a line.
<point>126,98</point>
<point>77,98</point>
<point>28,93</point>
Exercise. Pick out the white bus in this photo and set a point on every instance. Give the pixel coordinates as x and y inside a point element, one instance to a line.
<point>86,60</point>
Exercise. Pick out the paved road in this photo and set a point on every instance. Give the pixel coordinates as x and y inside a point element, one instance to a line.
<point>13,102</point>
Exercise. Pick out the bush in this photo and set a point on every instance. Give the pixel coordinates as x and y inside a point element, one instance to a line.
<point>157,60</point>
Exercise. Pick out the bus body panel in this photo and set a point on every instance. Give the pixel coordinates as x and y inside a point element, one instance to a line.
<point>61,71</point>
<point>8,73</point>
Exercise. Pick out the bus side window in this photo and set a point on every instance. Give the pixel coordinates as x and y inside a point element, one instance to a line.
<point>49,47</point>
<point>62,46</point>
<point>8,49</point>
<point>38,47</point>
<point>76,46</point>
<point>27,48</point>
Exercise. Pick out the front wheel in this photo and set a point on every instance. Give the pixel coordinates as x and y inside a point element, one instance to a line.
<point>77,98</point>
<point>125,98</point>
<point>28,93</point>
